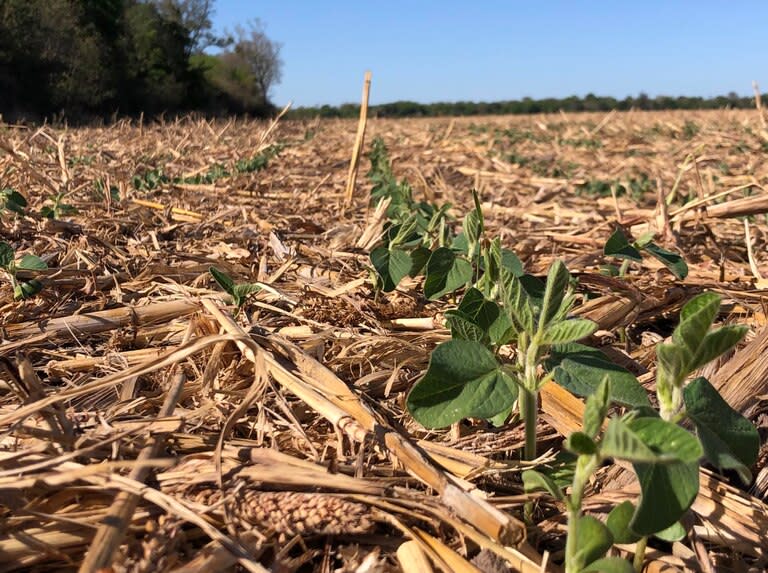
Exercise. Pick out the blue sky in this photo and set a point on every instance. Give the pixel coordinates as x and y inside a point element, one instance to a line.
<point>448,50</point>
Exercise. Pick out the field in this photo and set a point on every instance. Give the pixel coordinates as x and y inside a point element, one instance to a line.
<point>151,424</point>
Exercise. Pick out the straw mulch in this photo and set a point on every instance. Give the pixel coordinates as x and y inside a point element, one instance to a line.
<point>147,425</point>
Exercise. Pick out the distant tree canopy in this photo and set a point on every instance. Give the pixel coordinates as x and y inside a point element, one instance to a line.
<point>590,102</point>
<point>86,58</point>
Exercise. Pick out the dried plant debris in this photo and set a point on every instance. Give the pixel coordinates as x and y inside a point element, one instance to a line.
<point>207,358</point>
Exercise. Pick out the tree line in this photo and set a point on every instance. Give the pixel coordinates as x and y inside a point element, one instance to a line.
<point>82,59</point>
<point>527,105</point>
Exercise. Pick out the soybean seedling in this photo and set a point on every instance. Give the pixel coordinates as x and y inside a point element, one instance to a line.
<point>238,291</point>
<point>22,289</point>
<point>619,246</point>
<point>12,201</point>
<point>467,377</point>
<point>664,455</point>
<point>58,209</point>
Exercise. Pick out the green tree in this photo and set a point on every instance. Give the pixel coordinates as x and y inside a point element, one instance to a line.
<point>154,50</point>
<point>245,73</point>
<point>49,60</point>
<point>194,16</point>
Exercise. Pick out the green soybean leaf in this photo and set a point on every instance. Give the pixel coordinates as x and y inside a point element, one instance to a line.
<point>391,231</point>
<point>534,287</point>
<point>620,442</point>
<point>67,210</point>
<point>406,232</point>
<point>464,328</point>
<point>562,469</point>
<point>674,532</point>
<point>568,331</point>
<point>673,261</point>
<point>596,408</point>
<point>472,229</point>
<point>419,258</point>
<point>672,362</point>
<point>223,280</point>
<point>478,210</point>
<point>702,310</point>
<point>13,201</point>
<point>437,216</point>
<point>392,265</point>
<point>491,266</point>
<point>668,440</point>
<point>618,522</point>
<point>580,369</point>
<point>463,380</point>
<point>730,441</point>
<point>716,343</point>
<point>593,540</point>
<point>517,303</point>
<point>486,314</point>
<point>695,319</point>
<point>644,239</point>
<point>580,443</point>
<point>618,246</point>
<point>445,273</point>
<point>6,255</point>
<point>460,244</point>
<point>555,289</point>
<point>668,490</point>
<point>31,263</point>
<point>474,305</point>
<point>534,481</point>
<point>502,331</point>
<point>27,289</point>
<point>499,419</point>
<point>478,318</point>
<point>511,262</point>
<point>241,292</point>
<point>609,565</point>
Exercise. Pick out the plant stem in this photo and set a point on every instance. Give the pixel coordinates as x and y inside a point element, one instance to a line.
<point>528,353</point>
<point>637,561</point>
<point>670,407</point>
<point>528,411</point>
<point>585,466</point>
<point>570,541</point>
<point>624,268</point>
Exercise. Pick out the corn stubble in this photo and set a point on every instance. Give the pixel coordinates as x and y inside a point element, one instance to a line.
<point>301,394</point>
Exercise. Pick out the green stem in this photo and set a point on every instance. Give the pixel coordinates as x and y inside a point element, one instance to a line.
<point>624,268</point>
<point>637,561</point>
<point>528,354</point>
<point>670,407</point>
<point>570,541</point>
<point>528,412</point>
<point>585,466</point>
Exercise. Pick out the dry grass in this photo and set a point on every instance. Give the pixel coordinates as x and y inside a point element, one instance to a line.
<point>147,426</point>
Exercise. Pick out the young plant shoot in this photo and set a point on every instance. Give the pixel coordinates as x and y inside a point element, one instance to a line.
<point>238,291</point>
<point>664,455</point>
<point>467,378</point>
<point>22,288</point>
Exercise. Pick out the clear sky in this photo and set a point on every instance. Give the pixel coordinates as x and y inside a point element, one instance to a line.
<point>449,50</point>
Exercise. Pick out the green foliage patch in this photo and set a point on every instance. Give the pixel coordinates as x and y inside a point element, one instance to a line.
<point>469,376</point>
<point>22,288</point>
